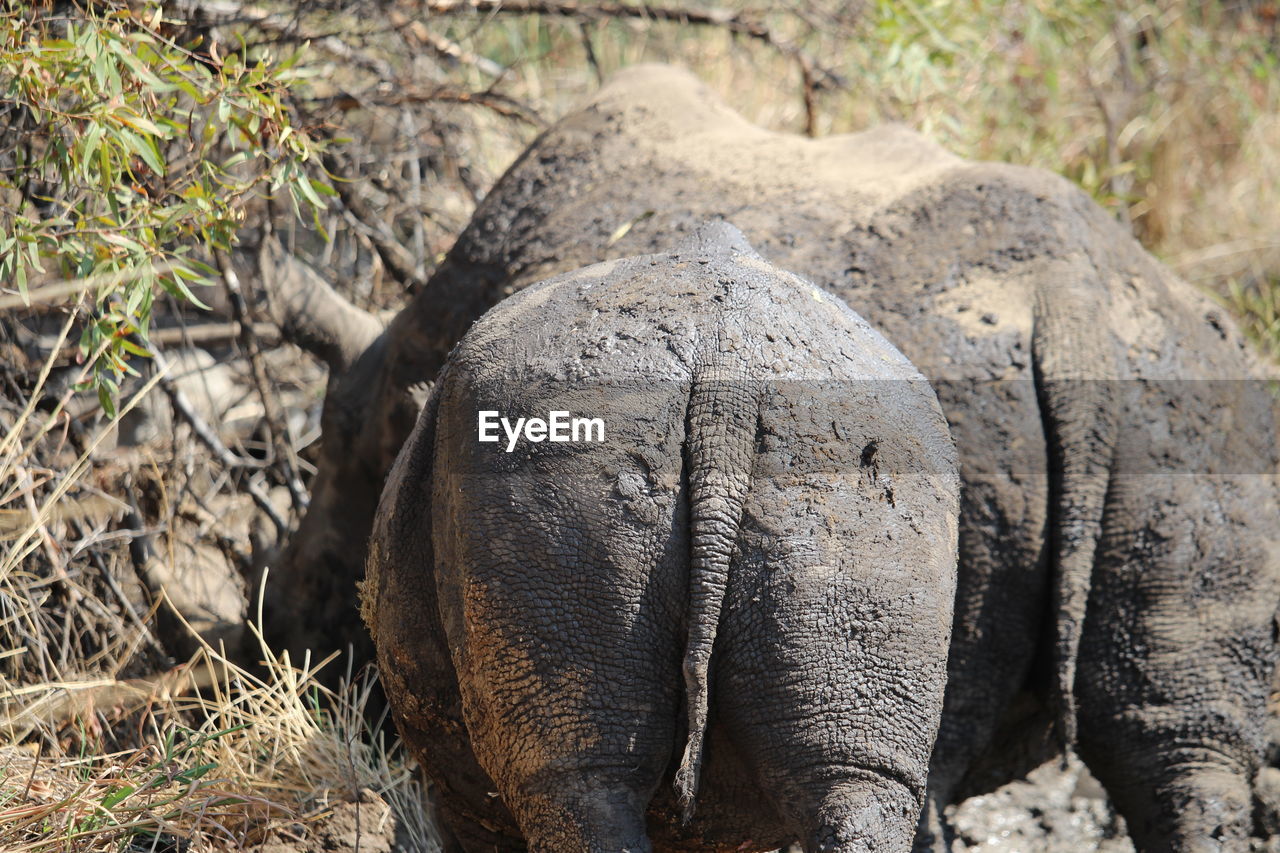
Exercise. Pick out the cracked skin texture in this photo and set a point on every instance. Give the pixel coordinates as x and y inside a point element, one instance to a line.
<point>751,420</point>
<point>949,259</point>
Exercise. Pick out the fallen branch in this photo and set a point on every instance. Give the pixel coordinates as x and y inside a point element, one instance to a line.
<point>310,313</point>
<point>59,703</point>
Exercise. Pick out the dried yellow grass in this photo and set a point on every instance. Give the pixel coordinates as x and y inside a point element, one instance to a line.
<point>223,757</point>
<point>216,755</point>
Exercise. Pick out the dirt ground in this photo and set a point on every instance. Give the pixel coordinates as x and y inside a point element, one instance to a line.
<point>1053,810</point>
<point>1056,810</point>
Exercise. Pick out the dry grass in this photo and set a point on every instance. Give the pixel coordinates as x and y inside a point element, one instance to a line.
<point>202,756</point>
<point>222,767</point>
<point>219,758</point>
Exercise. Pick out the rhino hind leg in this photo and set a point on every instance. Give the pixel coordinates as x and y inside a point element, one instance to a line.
<point>588,812</point>
<point>560,590</point>
<point>1198,808</point>
<point>1178,771</point>
<point>838,771</point>
<point>846,774</point>
<point>1177,653</point>
<point>862,814</point>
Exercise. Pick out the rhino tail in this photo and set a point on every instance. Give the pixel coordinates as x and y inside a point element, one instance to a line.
<point>719,447</point>
<point>1075,370</point>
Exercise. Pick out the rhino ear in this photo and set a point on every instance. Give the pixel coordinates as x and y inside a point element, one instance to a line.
<point>310,313</point>
<point>419,393</point>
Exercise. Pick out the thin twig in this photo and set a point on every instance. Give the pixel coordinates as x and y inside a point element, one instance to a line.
<point>590,51</point>
<point>399,93</point>
<point>395,257</point>
<point>57,563</point>
<point>276,424</point>
<point>110,582</point>
<point>209,439</point>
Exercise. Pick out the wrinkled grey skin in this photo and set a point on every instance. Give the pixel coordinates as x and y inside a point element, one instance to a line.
<point>1004,285</point>
<point>776,481</point>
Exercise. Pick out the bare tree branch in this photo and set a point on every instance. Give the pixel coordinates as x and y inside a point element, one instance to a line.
<point>395,257</point>
<point>312,314</point>
<point>442,46</point>
<point>394,94</point>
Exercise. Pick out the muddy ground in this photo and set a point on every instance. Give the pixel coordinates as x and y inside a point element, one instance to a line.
<point>1054,810</point>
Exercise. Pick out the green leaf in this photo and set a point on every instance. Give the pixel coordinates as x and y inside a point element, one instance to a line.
<point>33,255</point>
<point>324,189</point>
<point>123,365</point>
<point>303,185</point>
<point>88,148</point>
<point>150,154</point>
<point>178,287</point>
<point>104,400</point>
<point>130,347</point>
<point>139,69</point>
<point>123,242</point>
<point>86,341</point>
<point>196,772</point>
<point>144,124</point>
<point>145,148</point>
<point>189,89</point>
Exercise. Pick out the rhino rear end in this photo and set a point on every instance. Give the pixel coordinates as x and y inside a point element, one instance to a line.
<point>763,545</point>
<point>831,662</point>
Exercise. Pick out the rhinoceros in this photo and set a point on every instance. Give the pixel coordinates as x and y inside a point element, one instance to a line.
<point>769,478</point>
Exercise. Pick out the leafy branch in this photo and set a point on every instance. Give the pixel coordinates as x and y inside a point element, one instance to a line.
<point>128,146</point>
